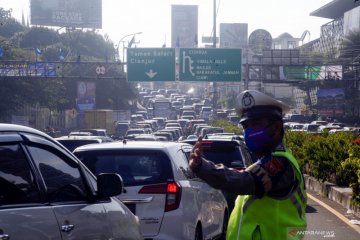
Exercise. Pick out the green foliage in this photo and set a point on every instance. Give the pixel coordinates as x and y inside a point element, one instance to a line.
<point>295,141</point>
<point>20,43</point>
<point>38,37</point>
<point>228,127</point>
<point>329,157</point>
<point>88,44</point>
<point>8,25</point>
<point>321,153</point>
<point>350,172</point>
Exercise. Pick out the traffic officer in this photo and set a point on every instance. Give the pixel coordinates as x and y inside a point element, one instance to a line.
<point>272,198</point>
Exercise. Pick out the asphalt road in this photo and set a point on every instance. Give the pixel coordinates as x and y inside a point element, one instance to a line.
<point>329,220</point>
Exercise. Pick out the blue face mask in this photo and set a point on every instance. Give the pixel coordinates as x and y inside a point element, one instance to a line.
<point>256,139</point>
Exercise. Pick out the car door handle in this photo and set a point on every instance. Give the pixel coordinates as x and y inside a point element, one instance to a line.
<point>143,200</point>
<point>4,237</point>
<point>67,228</point>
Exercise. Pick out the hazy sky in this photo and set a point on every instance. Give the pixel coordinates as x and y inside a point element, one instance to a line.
<point>153,17</point>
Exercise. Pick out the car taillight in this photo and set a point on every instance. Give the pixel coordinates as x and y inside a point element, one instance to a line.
<point>172,191</point>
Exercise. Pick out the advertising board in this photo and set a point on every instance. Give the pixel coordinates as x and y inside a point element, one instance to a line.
<point>67,13</point>
<point>184,26</point>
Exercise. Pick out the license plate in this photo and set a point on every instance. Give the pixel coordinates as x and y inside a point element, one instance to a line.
<point>131,207</point>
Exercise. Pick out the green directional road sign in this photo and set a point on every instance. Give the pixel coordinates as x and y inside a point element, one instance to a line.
<point>150,64</point>
<point>210,64</point>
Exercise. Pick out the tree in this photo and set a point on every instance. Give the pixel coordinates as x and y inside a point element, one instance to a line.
<point>39,37</point>
<point>59,94</point>
<point>8,25</point>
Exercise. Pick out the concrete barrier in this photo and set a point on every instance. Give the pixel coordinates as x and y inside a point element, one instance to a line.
<point>340,195</point>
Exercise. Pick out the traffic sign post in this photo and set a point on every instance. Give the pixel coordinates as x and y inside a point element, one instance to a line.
<point>210,64</point>
<point>150,64</point>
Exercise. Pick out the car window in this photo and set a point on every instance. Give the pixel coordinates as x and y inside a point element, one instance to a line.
<point>182,161</point>
<point>227,155</point>
<point>16,178</point>
<point>62,177</point>
<point>249,159</point>
<point>136,167</point>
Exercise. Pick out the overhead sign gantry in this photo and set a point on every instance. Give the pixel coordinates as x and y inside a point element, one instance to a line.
<point>194,64</point>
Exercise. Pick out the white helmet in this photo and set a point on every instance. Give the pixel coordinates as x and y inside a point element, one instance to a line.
<point>254,104</point>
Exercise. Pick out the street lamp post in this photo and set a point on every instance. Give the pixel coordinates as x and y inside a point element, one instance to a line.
<point>121,41</point>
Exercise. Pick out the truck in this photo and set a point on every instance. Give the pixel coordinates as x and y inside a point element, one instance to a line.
<point>100,119</point>
<point>162,108</point>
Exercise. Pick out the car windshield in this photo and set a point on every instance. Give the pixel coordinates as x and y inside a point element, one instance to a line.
<point>136,167</point>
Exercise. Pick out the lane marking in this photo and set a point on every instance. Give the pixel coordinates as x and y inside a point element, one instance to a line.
<point>336,213</point>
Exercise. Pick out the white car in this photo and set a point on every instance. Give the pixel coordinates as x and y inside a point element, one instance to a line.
<point>46,193</point>
<point>170,201</point>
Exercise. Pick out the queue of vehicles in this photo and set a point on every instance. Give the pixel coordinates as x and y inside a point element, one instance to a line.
<point>132,174</point>
<point>129,179</point>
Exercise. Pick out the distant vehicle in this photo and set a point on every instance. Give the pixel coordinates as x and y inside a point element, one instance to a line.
<point>134,131</point>
<point>220,114</point>
<point>72,142</point>
<point>147,137</point>
<point>210,130</point>
<point>177,105</point>
<point>121,128</point>
<point>79,133</point>
<point>311,127</point>
<point>167,135</point>
<point>205,112</point>
<point>300,118</point>
<point>161,108</point>
<point>323,123</point>
<point>297,127</point>
<point>188,113</point>
<point>160,189</point>
<point>96,132</point>
<point>161,121</point>
<point>234,119</point>
<point>47,193</point>
<point>190,117</point>
<point>327,128</point>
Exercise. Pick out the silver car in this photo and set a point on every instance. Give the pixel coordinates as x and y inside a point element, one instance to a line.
<point>46,193</point>
<point>170,201</point>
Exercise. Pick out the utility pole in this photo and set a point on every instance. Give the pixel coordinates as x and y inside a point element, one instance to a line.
<point>215,92</point>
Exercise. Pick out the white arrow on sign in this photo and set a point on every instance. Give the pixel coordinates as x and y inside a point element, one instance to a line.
<point>151,74</point>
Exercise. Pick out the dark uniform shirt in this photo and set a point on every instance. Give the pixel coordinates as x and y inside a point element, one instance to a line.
<point>270,175</point>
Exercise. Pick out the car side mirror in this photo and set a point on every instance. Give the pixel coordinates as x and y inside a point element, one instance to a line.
<point>109,184</point>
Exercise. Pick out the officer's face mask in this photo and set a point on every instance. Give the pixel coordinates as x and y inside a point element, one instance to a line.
<point>257,138</point>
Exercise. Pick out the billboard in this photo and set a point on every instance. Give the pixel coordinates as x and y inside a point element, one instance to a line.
<point>331,102</point>
<point>184,26</point>
<point>289,73</point>
<point>67,13</point>
<point>233,35</point>
<point>85,96</point>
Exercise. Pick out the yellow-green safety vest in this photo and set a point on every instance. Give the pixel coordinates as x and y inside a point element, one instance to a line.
<point>269,218</point>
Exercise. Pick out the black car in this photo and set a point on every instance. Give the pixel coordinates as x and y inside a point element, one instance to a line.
<point>229,151</point>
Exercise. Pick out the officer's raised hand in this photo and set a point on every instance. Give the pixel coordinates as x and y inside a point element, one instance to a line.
<point>195,157</point>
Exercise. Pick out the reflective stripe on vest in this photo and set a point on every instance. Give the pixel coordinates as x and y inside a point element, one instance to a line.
<point>249,216</point>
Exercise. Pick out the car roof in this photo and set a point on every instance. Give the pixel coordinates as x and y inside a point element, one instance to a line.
<point>219,141</point>
<point>154,145</point>
<point>5,127</point>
